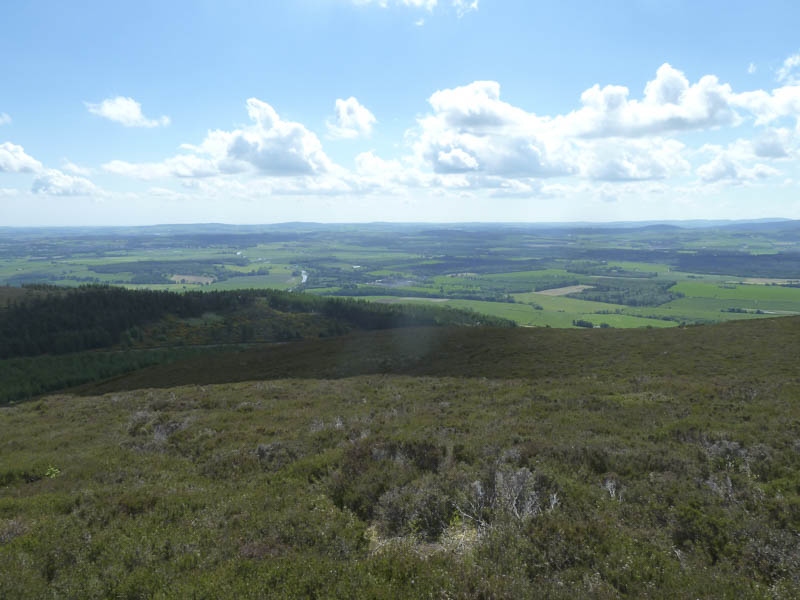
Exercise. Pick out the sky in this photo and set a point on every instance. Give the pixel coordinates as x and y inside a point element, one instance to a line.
<point>148,112</point>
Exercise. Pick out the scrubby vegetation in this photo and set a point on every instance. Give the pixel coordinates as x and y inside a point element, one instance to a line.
<point>591,471</point>
<point>27,377</point>
<point>394,487</point>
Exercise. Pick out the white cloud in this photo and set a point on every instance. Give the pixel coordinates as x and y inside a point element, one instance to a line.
<point>14,160</point>
<point>464,6</point>
<point>768,107</point>
<point>474,133</point>
<point>71,167</point>
<point>461,7</point>
<point>352,120</point>
<point>271,146</point>
<point>126,111</point>
<point>670,104</point>
<point>426,4</point>
<point>55,183</point>
<point>634,160</point>
<point>730,164</point>
<point>787,73</point>
<point>773,143</point>
<point>723,168</point>
<point>391,175</point>
<point>751,68</point>
<point>472,130</point>
<point>5,119</point>
<point>472,141</point>
<point>183,165</point>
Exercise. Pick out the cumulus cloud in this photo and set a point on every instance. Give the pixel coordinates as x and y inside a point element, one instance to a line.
<point>634,160</point>
<point>472,130</point>
<point>472,135</point>
<point>670,104</point>
<point>471,141</point>
<point>4,119</point>
<point>55,183</point>
<point>271,146</point>
<point>71,167</point>
<point>788,71</point>
<point>388,174</point>
<point>14,160</point>
<point>352,120</point>
<point>726,168</point>
<point>126,111</point>
<point>773,143</point>
<point>767,107</point>
<point>738,162</point>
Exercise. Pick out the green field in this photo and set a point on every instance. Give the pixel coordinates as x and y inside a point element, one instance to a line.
<point>561,312</point>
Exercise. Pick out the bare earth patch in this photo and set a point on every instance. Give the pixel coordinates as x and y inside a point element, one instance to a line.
<point>563,291</point>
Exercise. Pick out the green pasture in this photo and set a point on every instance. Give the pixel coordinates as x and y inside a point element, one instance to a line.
<point>695,305</point>
<point>529,276</point>
<point>687,312</point>
<point>278,281</point>
<point>564,303</point>
<point>695,289</point>
<point>526,315</point>
<point>569,310</point>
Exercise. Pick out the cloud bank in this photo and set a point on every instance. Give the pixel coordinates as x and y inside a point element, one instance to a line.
<point>13,159</point>
<point>470,140</point>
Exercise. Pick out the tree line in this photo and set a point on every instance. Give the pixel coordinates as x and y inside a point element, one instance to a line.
<point>92,317</point>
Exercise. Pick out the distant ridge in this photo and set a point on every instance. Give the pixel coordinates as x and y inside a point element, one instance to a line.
<point>763,224</point>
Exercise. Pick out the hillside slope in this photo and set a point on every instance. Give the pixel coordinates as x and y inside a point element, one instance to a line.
<point>738,350</point>
<point>52,338</point>
<point>596,464</point>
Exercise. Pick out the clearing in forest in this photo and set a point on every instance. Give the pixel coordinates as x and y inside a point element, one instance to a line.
<point>563,291</point>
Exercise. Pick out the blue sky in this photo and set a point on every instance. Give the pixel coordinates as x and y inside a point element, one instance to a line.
<point>397,110</point>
